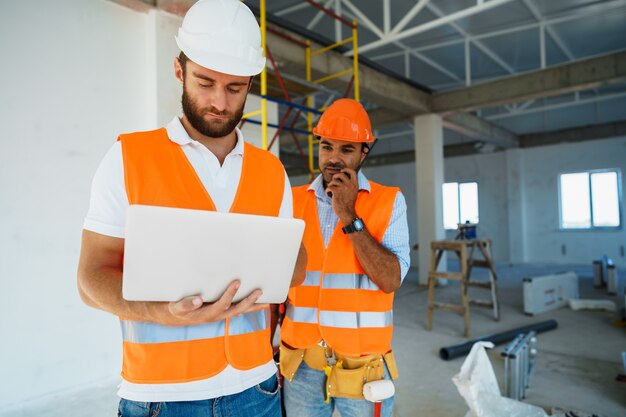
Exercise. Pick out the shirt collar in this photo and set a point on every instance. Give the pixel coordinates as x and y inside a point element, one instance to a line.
<point>177,134</point>
<point>318,185</point>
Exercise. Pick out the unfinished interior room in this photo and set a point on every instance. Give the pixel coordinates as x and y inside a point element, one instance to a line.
<point>502,123</point>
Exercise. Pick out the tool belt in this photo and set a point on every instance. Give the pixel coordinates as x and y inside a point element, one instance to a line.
<point>345,375</point>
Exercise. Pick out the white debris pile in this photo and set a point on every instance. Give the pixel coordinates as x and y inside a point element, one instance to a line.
<point>478,385</point>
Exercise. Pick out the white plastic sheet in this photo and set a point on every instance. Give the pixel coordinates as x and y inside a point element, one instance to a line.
<point>478,385</point>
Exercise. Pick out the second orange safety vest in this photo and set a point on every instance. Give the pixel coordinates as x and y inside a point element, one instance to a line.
<point>157,172</point>
<point>337,302</point>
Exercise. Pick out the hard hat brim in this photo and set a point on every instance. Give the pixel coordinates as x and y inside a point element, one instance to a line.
<point>220,62</point>
<point>320,135</point>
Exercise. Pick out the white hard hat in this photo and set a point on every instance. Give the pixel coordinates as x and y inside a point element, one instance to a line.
<point>223,36</point>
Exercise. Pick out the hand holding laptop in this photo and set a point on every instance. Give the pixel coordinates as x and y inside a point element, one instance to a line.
<point>192,310</point>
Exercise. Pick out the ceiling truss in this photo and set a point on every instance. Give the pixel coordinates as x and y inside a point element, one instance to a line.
<point>519,94</point>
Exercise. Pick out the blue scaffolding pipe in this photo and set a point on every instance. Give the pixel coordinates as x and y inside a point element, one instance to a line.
<point>289,129</point>
<point>291,104</point>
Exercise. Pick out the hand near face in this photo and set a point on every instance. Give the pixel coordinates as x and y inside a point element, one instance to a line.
<point>344,187</point>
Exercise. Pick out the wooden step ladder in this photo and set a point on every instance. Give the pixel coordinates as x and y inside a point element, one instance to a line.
<point>467,262</point>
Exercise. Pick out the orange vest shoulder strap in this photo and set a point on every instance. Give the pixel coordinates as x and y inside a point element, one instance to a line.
<point>376,208</point>
<point>157,172</point>
<point>262,180</point>
<point>300,194</point>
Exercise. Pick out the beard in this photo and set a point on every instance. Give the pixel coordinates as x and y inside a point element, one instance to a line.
<point>329,177</point>
<point>214,128</point>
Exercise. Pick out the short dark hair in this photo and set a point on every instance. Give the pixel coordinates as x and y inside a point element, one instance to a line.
<point>182,58</point>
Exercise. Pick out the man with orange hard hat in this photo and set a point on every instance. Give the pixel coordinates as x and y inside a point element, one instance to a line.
<point>337,329</point>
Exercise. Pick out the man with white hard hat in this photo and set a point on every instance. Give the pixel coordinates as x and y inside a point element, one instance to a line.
<point>190,358</point>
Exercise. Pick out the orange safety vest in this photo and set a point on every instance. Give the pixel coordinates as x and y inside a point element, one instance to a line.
<point>157,172</point>
<point>337,302</point>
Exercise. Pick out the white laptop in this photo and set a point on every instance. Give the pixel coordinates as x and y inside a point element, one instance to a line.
<point>172,253</point>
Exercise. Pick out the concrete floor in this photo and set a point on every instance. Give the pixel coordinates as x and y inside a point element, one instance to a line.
<point>576,363</point>
<point>575,369</point>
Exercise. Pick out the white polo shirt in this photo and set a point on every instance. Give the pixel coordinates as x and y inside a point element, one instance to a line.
<point>107,215</point>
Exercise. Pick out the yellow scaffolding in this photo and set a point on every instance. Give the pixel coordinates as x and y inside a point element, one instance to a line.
<point>263,110</point>
<point>309,54</point>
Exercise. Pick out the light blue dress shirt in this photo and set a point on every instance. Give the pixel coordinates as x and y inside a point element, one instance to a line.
<point>396,237</point>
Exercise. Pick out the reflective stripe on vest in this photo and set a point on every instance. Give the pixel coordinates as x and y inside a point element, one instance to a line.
<point>157,172</point>
<point>340,281</point>
<point>349,281</point>
<point>356,320</point>
<point>142,332</point>
<point>252,321</point>
<point>346,319</point>
<point>301,314</point>
<point>337,301</point>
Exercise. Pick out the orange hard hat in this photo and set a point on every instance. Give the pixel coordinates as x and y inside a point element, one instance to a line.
<point>347,120</point>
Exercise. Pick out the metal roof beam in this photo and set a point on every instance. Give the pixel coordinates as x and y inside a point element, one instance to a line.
<point>364,21</point>
<point>376,87</point>
<point>553,81</point>
<point>430,25</point>
<point>291,9</point>
<point>578,134</point>
<point>477,43</point>
<point>477,128</point>
<point>463,123</point>
<point>426,60</point>
<point>551,32</point>
<point>386,15</point>
<point>548,21</point>
<point>318,16</point>
<point>408,17</point>
<point>523,109</point>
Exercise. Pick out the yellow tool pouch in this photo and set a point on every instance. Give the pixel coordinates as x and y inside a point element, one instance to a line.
<point>289,361</point>
<point>390,360</point>
<point>346,378</point>
<point>350,374</point>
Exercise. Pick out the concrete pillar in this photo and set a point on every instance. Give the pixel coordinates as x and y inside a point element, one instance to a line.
<point>429,179</point>
<point>516,205</point>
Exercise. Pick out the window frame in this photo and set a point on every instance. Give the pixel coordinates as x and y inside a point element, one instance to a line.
<point>589,173</point>
<point>458,193</point>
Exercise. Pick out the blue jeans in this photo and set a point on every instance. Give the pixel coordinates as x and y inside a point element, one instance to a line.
<point>304,397</point>
<point>260,400</point>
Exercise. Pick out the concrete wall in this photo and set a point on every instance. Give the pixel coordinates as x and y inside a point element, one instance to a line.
<point>489,171</point>
<point>73,77</point>
<point>545,242</point>
<point>76,73</point>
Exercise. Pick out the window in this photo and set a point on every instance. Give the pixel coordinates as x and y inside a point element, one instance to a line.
<point>590,199</point>
<point>460,203</point>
